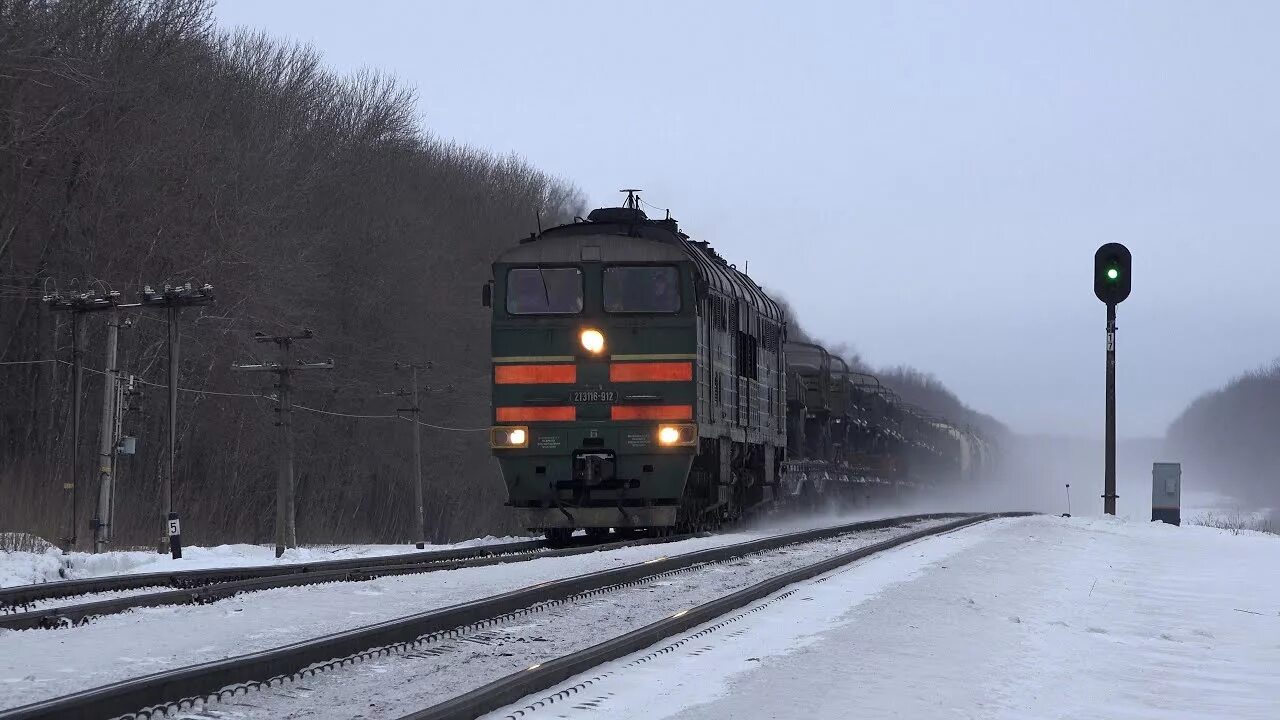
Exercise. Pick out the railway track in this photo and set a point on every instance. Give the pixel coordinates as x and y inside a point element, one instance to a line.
<point>424,634</point>
<point>193,587</point>
<point>12,599</point>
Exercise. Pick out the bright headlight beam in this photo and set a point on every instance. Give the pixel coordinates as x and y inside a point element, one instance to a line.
<point>668,435</point>
<point>517,436</point>
<point>592,341</point>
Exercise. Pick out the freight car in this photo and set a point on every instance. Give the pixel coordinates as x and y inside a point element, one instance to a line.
<point>640,381</point>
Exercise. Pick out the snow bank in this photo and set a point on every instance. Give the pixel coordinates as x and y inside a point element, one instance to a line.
<point>22,568</point>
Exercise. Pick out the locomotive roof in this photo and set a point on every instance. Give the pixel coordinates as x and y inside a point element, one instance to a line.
<point>625,223</point>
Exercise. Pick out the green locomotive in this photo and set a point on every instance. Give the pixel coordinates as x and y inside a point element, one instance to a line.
<point>637,379</point>
<point>642,382</point>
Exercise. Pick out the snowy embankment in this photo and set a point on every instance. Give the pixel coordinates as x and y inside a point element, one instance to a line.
<point>391,687</point>
<point>1042,617</point>
<point>24,568</point>
<point>36,664</point>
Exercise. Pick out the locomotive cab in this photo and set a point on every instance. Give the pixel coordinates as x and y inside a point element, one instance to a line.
<point>609,386</point>
<point>593,396</point>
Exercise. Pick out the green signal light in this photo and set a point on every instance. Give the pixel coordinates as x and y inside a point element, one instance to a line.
<point>1112,273</point>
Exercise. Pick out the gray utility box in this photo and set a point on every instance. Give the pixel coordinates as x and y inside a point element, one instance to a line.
<point>1166,492</point>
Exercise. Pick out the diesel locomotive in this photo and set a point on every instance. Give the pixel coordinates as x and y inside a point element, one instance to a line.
<point>640,381</point>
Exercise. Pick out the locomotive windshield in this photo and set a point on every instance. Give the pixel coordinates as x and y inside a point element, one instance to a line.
<point>646,289</point>
<point>544,291</point>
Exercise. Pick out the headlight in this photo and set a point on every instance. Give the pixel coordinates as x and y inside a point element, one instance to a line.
<point>507,436</point>
<point>592,341</point>
<point>671,435</point>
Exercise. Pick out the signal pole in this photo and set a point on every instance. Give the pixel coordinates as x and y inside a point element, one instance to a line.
<point>286,528</point>
<point>77,305</point>
<point>1112,282</point>
<point>173,299</point>
<point>1109,477</point>
<point>416,412</point>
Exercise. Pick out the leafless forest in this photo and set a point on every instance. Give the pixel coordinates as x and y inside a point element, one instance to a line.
<point>141,145</point>
<point>1226,438</point>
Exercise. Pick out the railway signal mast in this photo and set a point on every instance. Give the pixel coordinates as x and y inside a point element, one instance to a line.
<point>1112,281</point>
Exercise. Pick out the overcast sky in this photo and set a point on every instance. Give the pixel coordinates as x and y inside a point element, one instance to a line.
<point>924,181</point>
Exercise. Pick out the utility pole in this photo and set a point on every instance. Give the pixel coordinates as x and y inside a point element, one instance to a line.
<point>108,429</point>
<point>77,305</point>
<point>286,530</point>
<point>173,299</point>
<point>416,414</point>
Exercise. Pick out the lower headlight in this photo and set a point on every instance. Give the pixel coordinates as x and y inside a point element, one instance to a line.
<point>673,435</point>
<point>508,436</point>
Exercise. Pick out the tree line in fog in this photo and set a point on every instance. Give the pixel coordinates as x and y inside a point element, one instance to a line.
<point>1226,438</point>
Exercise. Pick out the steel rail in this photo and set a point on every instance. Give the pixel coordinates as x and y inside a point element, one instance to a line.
<point>64,615</point>
<point>156,693</point>
<point>541,676</point>
<point>25,595</point>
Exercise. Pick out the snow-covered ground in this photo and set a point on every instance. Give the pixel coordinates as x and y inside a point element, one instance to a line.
<point>390,687</point>
<point>23,568</point>
<point>1043,617</point>
<point>36,664</point>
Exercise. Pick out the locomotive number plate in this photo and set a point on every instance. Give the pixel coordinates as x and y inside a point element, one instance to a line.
<point>593,396</point>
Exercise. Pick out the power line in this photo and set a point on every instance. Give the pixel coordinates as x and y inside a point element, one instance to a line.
<point>450,429</point>
<point>201,392</point>
<point>389,417</point>
<point>143,381</point>
<point>334,413</point>
<point>346,415</point>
